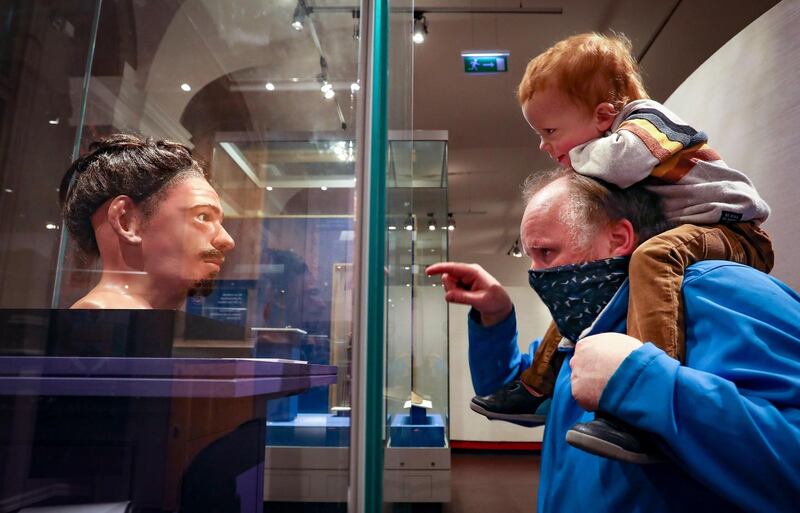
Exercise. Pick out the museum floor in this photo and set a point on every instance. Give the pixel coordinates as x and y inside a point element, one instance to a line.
<point>494,481</point>
<point>481,481</point>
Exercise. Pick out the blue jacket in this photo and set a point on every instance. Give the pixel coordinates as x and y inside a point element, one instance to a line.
<point>729,419</point>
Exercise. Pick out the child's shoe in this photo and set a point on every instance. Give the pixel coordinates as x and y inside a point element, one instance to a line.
<point>611,438</point>
<point>513,403</point>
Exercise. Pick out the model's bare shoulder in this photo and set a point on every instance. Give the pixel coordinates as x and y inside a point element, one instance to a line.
<point>98,300</point>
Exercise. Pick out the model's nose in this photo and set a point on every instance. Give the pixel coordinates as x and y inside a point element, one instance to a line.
<point>223,241</point>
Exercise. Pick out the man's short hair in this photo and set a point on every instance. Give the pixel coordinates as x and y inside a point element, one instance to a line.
<point>589,69</point>
<point>594,203</point>
<point>121,164</point>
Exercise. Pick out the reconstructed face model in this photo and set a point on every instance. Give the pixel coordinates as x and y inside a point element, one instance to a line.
<point>183,240</point>
<point>548,240</point>
<point>561,124</point>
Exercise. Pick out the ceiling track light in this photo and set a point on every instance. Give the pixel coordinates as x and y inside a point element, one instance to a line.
<point>451,222</point>
<point>431,222</point>
<point>302,15</point>
<point>409,224</point>
<point>326,87</point>
<point>515,250</point>
<point>420,28</point>
<point>299,17</point>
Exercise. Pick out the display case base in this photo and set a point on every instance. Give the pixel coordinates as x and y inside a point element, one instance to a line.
<point>320,474</point>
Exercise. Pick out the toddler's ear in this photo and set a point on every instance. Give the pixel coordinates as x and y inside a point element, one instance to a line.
<point>604,115</point>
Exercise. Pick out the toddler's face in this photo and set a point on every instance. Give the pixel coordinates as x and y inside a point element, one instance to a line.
<point>560,124</point>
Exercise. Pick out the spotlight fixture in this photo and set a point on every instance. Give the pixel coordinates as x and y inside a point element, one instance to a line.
<point>409,224</point>
<point>327,89</point>
<point>299,16</point>
<point>420,28</point>
<point>515,250</point>
<point>451,222</point>
<point>269,86</point>
<point>431,222</point>
<point>325,86</point>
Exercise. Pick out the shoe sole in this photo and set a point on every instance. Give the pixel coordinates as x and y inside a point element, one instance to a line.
<point>605,449</point>
<point>525,419</point>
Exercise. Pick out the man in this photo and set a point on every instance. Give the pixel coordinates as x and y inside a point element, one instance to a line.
<point>729,420</point>
<point>145,208</point>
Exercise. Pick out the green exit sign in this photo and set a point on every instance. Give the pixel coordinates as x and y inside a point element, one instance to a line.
<point>485,62</point>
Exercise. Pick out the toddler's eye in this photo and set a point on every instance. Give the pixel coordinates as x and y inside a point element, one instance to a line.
<point>549,131</point>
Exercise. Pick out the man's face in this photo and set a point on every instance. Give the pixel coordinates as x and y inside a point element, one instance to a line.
<point>183,240</point>
<point>548,240</point>
<point>560,124</point>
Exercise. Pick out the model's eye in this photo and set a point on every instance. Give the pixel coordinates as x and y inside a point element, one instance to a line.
<point>203,217</point>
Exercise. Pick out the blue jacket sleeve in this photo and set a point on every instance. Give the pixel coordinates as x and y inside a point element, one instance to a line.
<point>731,416</point>
<point>494,358</point>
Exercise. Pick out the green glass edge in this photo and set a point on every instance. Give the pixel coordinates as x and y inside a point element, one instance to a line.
<point>373,439</point>
<point>76,147</point>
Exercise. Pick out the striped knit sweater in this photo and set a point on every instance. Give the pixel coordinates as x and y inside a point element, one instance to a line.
<point>648,142</point>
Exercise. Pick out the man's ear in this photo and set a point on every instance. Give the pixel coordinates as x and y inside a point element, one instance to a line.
<point>621,238</point>
<point>125,219</point>
<point>604,115</point>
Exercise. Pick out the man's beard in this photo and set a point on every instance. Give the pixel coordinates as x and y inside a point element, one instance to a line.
<point>205,286</point>
<point>202,288</point>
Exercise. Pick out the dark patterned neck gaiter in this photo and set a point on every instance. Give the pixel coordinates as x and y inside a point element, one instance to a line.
<point>575,294</point>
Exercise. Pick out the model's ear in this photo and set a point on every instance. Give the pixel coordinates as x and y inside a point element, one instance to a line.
<point>604,115</point>
<point>621,238</point>
<point>125,219</point>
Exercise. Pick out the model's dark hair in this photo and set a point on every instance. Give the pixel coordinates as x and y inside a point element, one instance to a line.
<point>120,164</point>
<point>594,203</point>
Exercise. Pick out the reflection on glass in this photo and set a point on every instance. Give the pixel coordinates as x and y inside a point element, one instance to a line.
<point>289,175</point>
<point>271,111</point>
<point>44,47</point>
<point>416,320</point>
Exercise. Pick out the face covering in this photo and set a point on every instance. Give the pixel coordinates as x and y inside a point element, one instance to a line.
<point>575,294</point>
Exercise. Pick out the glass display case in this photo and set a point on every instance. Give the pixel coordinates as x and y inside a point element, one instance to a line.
<point>167,410</point>
<point>292,197</point>
<point>307,226</point>
<point>417,453</point>
<point>285,102</point>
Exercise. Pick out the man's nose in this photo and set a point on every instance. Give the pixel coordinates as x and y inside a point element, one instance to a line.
<point>223,241</point>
